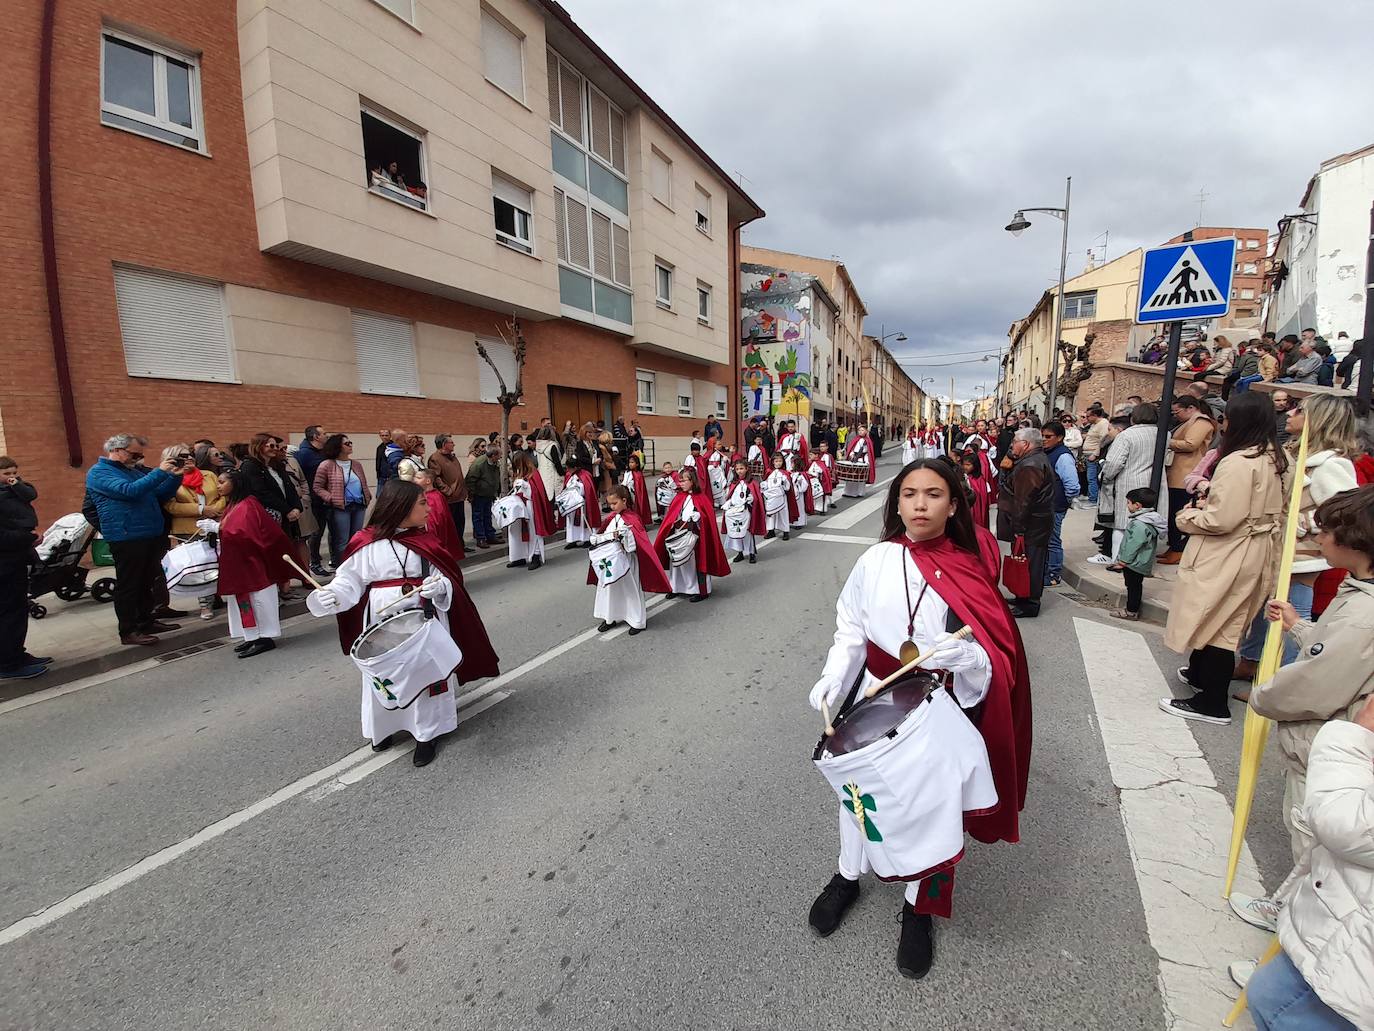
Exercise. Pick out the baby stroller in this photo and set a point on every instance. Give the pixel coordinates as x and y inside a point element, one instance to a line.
<point>58,569</point>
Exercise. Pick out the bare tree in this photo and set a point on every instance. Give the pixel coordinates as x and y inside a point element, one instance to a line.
<point>510,394</point>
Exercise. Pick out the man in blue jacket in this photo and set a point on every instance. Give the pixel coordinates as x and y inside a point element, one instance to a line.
<point>1065,490</point>
<point>129,502</point>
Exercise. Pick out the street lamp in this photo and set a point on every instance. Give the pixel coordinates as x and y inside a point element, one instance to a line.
<point>1019,224</point>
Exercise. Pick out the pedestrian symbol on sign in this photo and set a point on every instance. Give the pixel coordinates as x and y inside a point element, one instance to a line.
<point>1184,279</point>
<point>1187,284</point>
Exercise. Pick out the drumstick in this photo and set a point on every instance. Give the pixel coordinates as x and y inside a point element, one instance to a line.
<point>304,575</point>
<point>958,635</point>
<point>825,712</point>
<point>395,601</point>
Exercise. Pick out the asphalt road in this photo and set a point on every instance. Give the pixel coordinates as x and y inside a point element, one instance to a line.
<point>626,836</point>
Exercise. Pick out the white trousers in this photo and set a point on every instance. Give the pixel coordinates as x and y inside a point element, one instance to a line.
<point>521,549</point>
<point>777,521</point>
<point>578,531</point>
<point>264,609</point>
<point>622,600</point>
<point>744,545</point>
<point>683,579</point>
<point>853,864</point>
<point>855,488</point>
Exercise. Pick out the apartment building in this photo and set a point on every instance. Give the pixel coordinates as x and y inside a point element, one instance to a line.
<point>1247,281</point>
<point>896,400</point>
<point>283,212</point>
<point>788,323</point>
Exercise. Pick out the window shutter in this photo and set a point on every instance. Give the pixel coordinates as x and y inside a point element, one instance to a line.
<point>516,196</point>
<point>570,102</point>
<point>172,328</point>
<point>503,56</point>
<point>704,204</point>
<point>618,141</point>
<point>489,389</point>
<point>555,104</point>
<point>560,218</point>
<point>403,8</point>
<point>622,254</point>
<point>599,118</point>
<point>579,253</point>
<point>660,177</point>
<point>386,355</point>
<point>601,244</point>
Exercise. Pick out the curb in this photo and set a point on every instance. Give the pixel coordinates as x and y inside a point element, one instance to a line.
<point>1094,590</point>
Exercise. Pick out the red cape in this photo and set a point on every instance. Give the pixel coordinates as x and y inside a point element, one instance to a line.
<point>711,558</point>
<point>591,509</point>
<point>827,484</point>
<point>641,503</point>
<point>807,499</point>
<point>698,462</point>
<point>991,552</point>
<point>758,519</point>
<point>849,447</point>
<point>464,622</point>
<point>979,489</point>
<point>652,577</point>
<point>792,511</point>
<point>440,524</point>
<point>251,546</point>
<point>962,580</point>
<point>545,520</point>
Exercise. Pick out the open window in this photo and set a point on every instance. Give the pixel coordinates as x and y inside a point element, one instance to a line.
<point>395,160</point>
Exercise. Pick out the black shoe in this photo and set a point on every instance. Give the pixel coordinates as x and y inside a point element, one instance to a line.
<point>1022,612</point>
<point>753,559</point>
<point>517,562</point>
<point>832,903</point>
<point>570,545</point>
<point>156,627</point>
<point>604,626</point>
<point>318,570</point>
<point>636,630</point>
<point>916,950</point>
<point>26,659</point>
<point>670,595</point>
<point>786,536</point>
<point>384,743</point>
<point>166,612</point>
<point>242,647</point>
<point>770,535</point>
<point>698,597</point>
<point>424,753</point>
<point>740,557</point>
<point>262,644</point>
<point>535,563</point>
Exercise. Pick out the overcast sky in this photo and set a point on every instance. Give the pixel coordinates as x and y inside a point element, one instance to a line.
<point>901,136</point>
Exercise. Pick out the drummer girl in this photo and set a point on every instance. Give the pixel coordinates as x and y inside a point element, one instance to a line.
<point>581,521</point>
<point>393,555</point>
<point>743,495</point>
<point>780,479</point>
<point>691,510</point>
<point>526,536</point>
<point>633,479</point>
<point>901,599</point>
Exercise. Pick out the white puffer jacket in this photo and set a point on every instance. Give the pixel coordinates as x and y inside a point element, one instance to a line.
<point>1327,475</point>
<point>1327,923</point>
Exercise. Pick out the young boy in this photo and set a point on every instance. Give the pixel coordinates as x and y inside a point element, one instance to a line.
<point>18,535</point>
<point>1136,559</point>
<point>665,488</point>
<point>620,592</point>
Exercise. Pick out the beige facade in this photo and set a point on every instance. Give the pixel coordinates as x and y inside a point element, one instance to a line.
<point>1106,294</point>
<point>895,397</point>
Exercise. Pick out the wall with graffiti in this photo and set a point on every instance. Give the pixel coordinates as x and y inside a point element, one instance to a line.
<point>775,307</point>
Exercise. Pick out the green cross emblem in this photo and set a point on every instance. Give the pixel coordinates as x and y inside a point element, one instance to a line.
<point>604,567</point>
<point>383,687</point>
<point>862,806</point>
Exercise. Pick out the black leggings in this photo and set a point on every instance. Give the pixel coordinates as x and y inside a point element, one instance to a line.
<point>1209,671</point>
<point>1135,589</point>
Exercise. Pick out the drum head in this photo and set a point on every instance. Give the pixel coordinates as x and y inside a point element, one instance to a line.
<point>392,631</point>
<point>872,719</point>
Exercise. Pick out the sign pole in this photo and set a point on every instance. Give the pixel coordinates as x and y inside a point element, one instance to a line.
<point>1166,401</point>
<point>1366,380</point>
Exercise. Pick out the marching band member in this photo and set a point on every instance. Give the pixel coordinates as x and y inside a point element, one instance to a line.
<point>828,460</point>
<point>858,448</point>
<point>691,509</point>
<point>665,489</point>
<point>584,520</point>
<point>792,446</point>
<point>696,461</point>
<point>717,469</point>
<point>806,504</point>
<point>744,496</point>
<point>978,486</point>
<point>818,471</point>
<point>780,522</point>
<point>525,537</point>
<point>912,447</point>
<point>251,546</point>
<point>933,441</point>
<point>972,780</point>
<point>438,522</point>
<point>623,599</point>
<point>760,462</point>
<point>393,555</point>
<point>633,479</point>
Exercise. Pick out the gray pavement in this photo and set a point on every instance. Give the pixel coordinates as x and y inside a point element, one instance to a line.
<point>631,839</point>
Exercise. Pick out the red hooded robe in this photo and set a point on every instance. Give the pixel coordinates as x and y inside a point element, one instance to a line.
<point>711,558</point>
<point>590,512</point>
<point>652,577</point>
<point>251,546</point>
<point>849,447</point>
<point>544,518</point>
<point>641,500</point>
<point>440,523</point>
<point>758,519</point>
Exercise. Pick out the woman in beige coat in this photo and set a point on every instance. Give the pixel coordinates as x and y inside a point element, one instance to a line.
<point>1227,570</point>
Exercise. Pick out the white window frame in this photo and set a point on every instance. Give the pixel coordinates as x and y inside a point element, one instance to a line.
<point>155,121</point>
<point>502,23</point>
<point>1251,268</point>
<point>1078,298</point>
<point>722,402</point>
<point>1247,294</point>
<point>657,156</point>
<point>1252,245</point>
<point>684,410</point>
<point>705,229</point>
<point>662,266</point>
<point>412,387</point>
<point>523,244</point>
<point>386,5</point>
<point>392,193</point>
<point>649,379</point>
<point>704,293</point>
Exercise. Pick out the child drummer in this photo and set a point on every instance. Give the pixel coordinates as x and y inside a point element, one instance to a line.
<point>665,488</point>
<point>780,522</point>
<point>623,599</point>
<point>743,496</point>
<point>906,820</point>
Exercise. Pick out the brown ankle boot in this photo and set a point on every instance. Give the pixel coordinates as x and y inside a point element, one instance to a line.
<point>1245,670</point>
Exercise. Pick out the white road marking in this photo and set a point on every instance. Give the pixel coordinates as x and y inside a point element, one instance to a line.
<point>862,509</point>
<point>837,538</point>
<point>55,912</point>
<point>1178,826</point>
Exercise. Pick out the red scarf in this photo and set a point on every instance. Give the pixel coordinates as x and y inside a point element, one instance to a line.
<point>193,480</point>
<point>961,579</point>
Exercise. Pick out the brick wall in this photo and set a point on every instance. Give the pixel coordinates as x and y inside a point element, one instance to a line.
<point>1112,382</point>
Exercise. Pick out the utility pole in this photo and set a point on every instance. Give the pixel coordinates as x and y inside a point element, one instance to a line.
<point>1366,380</point>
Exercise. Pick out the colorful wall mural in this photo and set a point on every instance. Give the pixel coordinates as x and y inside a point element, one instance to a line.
<point>776,377</point>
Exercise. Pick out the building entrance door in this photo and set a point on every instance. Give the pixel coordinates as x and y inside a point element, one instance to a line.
<point>579,406</point>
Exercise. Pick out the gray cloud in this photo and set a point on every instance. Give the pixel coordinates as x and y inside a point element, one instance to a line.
<point>901,136</point>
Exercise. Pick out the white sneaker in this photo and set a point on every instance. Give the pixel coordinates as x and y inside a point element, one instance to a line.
<point>1262,912</point>
<point>1241,971</point>
<point>1100,559</point>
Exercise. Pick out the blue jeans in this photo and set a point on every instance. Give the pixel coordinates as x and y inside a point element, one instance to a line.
<point>1280,999</point>
<point>481,519</point>
<point>1054,565</point>
<point>1300,595</point>
<point>1243,384</point>
<point>1094,467</point>
<point>343,524</point>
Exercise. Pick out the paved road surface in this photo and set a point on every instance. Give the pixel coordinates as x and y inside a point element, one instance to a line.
<point>625,834</point>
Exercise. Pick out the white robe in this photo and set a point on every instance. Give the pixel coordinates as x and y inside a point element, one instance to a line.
<point>956,776</point>
<point>520,548</point>
<point>266,606</point>
<point>429,716</point>
<point>778,521</point>
<point>683,579</point>
<point>912,449</point>
<point>740,499</point>
<point>577,530</point>
<point>861,453</point>
<point>790,449</point>
<point>798,486</point>
<point>814,471</point>
<point>717,464</point>
<point>622,601</point>
<point>756,452</point>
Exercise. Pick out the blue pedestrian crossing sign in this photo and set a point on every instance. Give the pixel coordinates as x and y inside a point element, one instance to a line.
<point>1187,280</point>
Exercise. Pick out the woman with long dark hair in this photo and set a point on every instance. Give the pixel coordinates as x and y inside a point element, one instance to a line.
<point>251,546</point>
<point>1227,569</point>
<point>904,597</point>
<point>392,556</point>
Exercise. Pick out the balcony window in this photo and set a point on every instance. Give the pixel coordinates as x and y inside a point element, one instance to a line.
<point>513,206</point>
<point>395,160</point>
<point>703,303</point>
<point>644,389</point>
<point>1081,305</point>
<point>663,284</point>
<point>703,211</point>
<point>150,90</point>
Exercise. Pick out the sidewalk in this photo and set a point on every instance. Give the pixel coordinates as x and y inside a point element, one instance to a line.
<point>1100,584</point>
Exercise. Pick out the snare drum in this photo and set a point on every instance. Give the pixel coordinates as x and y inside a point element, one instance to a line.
<point>507,510</point>
<point>664,493</point>
<point>736,523</point>
<point>853,471</point>
<point>756,468</point>
<point>774,498</point>
<point>681,545</point>
<point>609,561</point>
<point>569,501</point>
<point>402,654</point>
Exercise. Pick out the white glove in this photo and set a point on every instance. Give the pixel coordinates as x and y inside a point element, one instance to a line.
<point>322,601</point>
<point>434,587</point>
<point>957,656</point>
<point>826,690</point>
<point>207,526</point>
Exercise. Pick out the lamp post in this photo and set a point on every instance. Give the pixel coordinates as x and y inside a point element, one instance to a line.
<point>1016,227</point>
